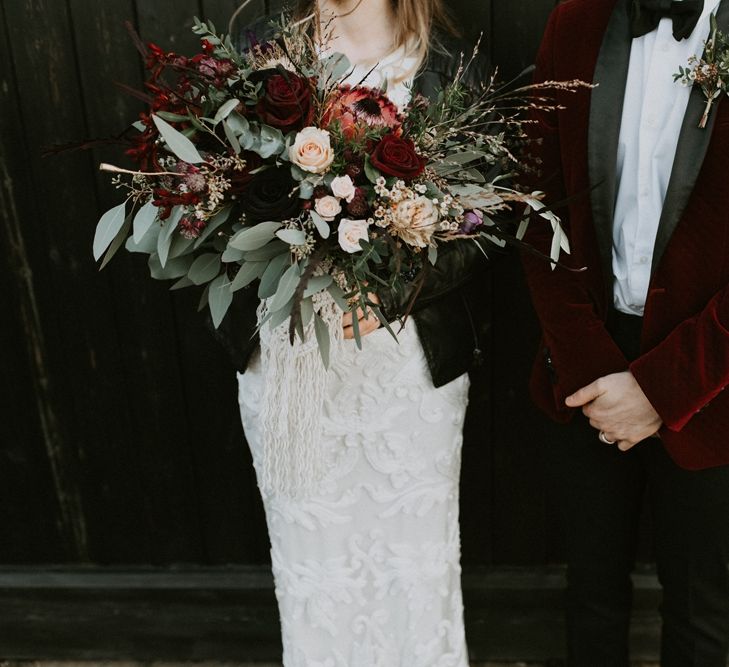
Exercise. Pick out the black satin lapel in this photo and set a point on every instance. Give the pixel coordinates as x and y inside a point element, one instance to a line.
<point>606,111</point>
<point>693,143</point>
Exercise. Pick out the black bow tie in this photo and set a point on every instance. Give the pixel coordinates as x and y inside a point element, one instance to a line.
<point>647,14</point>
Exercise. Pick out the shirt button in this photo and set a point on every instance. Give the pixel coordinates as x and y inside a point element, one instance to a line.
<point>643,260</point>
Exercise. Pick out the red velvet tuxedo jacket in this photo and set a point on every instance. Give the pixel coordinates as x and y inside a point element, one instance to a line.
<point>684,367</point>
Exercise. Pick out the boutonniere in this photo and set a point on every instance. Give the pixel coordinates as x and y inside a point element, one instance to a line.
<point>710,72</point>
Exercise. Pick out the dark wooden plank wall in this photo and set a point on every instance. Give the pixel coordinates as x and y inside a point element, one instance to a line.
<point>119,432</point>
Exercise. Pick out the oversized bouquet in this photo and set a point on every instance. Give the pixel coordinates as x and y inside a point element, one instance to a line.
<point>261,166</point>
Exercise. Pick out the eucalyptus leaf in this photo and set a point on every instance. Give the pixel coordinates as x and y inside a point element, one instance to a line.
<point>338,295</point>
<point>173,117</point>
<point>232,138</point>
<point>204,268</point>
<point>253,238</point>
<point>272,275</point>
<point>273,249</point>
<point>292,236</point>
<point>322,338</point>
<point>173,269</point>
<point>182,283</point>
<point>177,142</point>
<point>271,142</point>
<point>248,273</point>
<point>225,110</point>
<point>321,225</point>
<point>147,244</point>
<point>180,246</point>
<point>117,242</point>
<point>336,66</point>
<point>317,284</point>
<point>204,299</point>
<point>164,240</point>
<point>220,218</point>
<point>307,311</point>
<point>144,220</point>
<point>278,317</point>
<point>219,297</point>
<point>286,288</point>
<point>107,228</point>
<point>232,255</point>
<point>239,124</point>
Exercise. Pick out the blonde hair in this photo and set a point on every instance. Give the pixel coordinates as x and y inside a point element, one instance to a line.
<point>415,22</point>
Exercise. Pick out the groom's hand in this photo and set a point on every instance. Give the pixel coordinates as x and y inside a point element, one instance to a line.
<point>616,405</point>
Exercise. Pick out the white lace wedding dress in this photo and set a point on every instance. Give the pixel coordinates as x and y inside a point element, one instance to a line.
<point>367,568</point>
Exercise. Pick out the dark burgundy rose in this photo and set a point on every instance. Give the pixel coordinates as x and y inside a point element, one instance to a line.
<point>397,157</point>
<point>270,196</point>
<point>286,102</point>
<point>239,180</point>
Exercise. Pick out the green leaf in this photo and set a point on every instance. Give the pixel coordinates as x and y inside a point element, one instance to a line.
<point>204,268</point>
<point>173,117</point>
<point>432,255</point>
<point>117,242</point>
<point>220,218</point>
<point>239,124</point>
<point>292,236</point>
<point>321,225</point>
<point>338,295</point>
<point>371,173</point>
<point>181,246</point>
<point>182,283</point>
<point>219,297</point>
<point>271,142</point>
<point>286,288</point>
<point>355,330</point>
<point>268,252</point>
<point>164,240</point>
<point>307,311</point>
<point>144,220</point>
<point>272,275</point>
<point>249,271</point>
<point>231,255</point>
<point>335,67</point>
<point>225,110</point>
<point>204,299</point>
<point>174,268</point>
<point>253,238</point>
<point>322,338</point>
<point>279,316</point>
<point>177,142</point>
<point>108,228</point>
<point>148,244</point>
<point>317,284</point>
<point>232,138</point>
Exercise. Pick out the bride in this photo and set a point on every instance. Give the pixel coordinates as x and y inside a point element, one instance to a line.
<point>367,561</point>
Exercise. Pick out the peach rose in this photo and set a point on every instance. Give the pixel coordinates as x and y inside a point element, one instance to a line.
<point>351,232</point>
<point>343,187</point>
<point>328,207</point>
<point>312,150</point>
<point>415,221</point>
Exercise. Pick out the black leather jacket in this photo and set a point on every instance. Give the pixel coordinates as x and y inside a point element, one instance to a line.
<point>452,310</point>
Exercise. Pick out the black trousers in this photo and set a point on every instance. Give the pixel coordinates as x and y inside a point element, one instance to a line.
<point>601,492</point>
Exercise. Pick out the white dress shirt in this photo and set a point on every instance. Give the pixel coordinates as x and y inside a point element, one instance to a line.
<point>652,117</point>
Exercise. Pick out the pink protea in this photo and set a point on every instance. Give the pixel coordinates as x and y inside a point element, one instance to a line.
<point>355,109</point>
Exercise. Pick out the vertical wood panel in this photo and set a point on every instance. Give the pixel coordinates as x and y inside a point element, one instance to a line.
<point>31,520</point>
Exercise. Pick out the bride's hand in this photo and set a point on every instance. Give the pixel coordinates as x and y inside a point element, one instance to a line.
<point>366,324</point>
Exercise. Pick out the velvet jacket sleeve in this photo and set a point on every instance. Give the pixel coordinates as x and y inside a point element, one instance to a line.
<point>577,347</point>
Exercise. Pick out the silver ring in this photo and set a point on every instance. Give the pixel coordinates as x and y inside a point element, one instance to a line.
<point>604,438</point>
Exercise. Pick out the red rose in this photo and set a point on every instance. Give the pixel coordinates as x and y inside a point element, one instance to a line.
<point>397,157</point>
<point>286,102</point>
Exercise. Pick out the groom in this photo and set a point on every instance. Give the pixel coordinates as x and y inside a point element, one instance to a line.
<point>635,351</point>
